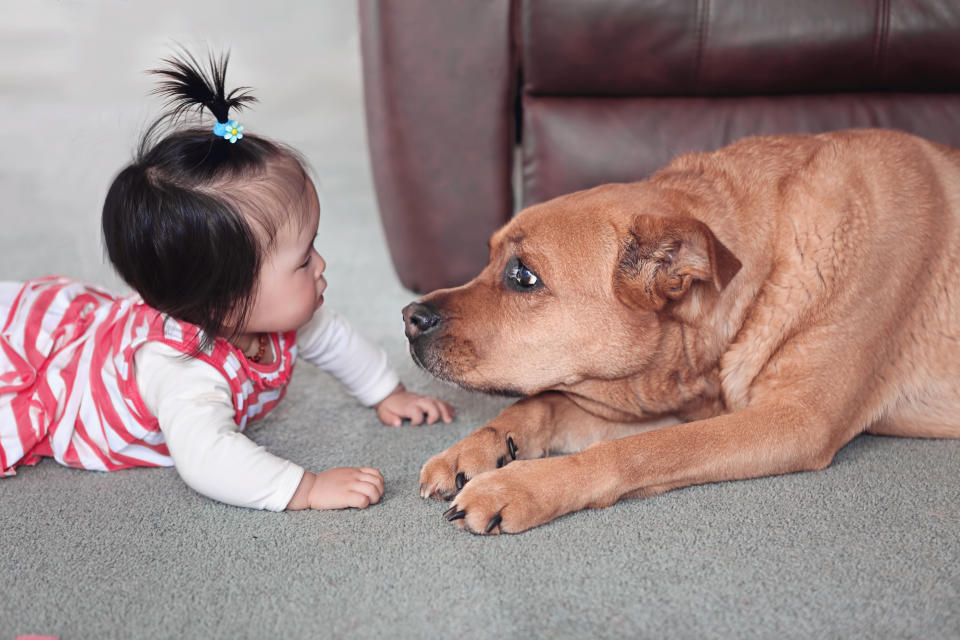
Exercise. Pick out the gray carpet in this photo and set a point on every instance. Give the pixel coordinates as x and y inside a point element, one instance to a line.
<point>868,548</point>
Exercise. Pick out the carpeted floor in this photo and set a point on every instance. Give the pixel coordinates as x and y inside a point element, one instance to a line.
<point>869,548</point>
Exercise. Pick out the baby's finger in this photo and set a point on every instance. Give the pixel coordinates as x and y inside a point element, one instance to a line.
<point>356,499</point>
<point>390,418</point>
<point>414,414</point>
<point>446,411</point>
<point>372,475</point>
<point>429,406</point>
<point>369,489</point>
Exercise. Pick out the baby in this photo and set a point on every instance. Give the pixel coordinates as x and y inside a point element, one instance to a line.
<point>214,230</point>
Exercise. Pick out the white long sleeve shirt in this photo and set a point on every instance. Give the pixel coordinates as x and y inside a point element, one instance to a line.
<point>192,402</point>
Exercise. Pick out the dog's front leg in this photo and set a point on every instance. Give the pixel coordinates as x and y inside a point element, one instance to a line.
<point>754,442</point>
<point>531,428</point>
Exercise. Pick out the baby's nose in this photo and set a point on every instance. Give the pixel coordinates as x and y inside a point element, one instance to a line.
<point>321,265</point>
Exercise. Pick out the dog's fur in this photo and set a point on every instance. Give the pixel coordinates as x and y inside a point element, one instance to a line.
<point>776,298</point>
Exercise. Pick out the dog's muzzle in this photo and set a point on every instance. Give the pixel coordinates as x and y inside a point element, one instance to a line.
<point>419,320</point>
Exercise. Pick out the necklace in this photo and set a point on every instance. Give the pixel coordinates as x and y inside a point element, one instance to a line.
<point>258,356</point>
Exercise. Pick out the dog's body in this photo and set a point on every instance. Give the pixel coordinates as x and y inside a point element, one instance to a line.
<point>779,296</point>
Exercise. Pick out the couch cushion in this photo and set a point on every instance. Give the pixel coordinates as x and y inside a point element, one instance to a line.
<point>576,143</point>
<point>729,47</point>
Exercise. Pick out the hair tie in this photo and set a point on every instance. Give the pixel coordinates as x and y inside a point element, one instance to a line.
<point>229,130</point>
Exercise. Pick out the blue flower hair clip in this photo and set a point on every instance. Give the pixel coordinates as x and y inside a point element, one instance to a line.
<point>228,130</point>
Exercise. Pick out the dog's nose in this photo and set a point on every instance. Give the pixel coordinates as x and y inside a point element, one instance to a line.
<point>419,319</point>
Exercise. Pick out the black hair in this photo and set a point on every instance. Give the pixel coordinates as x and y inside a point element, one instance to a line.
<point>172,221</point>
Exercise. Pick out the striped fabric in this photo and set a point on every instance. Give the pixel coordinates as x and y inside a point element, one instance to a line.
<point>67,384</point>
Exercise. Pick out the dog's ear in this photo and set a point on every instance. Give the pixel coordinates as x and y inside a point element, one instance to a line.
<point>663,256</point>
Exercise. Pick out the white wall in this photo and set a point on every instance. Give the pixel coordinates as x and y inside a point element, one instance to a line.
<point>73,99</point>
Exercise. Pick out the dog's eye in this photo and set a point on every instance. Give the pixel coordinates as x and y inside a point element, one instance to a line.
<point>520,278</point>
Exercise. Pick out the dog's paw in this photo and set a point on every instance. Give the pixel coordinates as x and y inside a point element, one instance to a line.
<point>446,473</point>
<point>515,498</point>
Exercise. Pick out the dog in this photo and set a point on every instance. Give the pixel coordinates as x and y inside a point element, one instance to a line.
<point>741,313</point>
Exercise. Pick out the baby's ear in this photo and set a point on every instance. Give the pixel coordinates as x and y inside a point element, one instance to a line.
<point>663,256</point>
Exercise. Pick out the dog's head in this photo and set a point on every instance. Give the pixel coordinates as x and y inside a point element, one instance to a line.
<point>577,288</point>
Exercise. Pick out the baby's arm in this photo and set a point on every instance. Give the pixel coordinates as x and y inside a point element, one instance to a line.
<point>329,342</point>
<point>192,403</point>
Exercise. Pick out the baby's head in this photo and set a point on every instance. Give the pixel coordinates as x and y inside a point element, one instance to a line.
<point>205,226</point>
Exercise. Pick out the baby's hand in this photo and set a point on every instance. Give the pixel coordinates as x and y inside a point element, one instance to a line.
<point>357,487</point>
<point>402,404</point>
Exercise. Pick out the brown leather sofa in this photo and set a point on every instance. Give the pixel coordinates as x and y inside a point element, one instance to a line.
<point>476,108</point>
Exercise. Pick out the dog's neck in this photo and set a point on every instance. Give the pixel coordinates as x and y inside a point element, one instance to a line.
<point>683,384</point>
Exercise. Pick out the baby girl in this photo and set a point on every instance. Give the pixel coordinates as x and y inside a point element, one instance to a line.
<point>214,230</point>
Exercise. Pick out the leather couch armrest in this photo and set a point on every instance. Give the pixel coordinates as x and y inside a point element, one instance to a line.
<point>439,82</point>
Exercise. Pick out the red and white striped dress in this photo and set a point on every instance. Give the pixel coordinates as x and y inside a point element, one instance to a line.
<point>67,383</point>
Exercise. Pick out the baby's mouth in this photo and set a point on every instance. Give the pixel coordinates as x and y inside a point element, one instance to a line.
<point>320,295</point>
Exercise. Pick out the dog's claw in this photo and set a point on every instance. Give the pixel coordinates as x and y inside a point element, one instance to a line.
<point>494,521</point>
<point>500,461</point>
<point>512,447</point>
<point>461,480</point>
<point>455,516</point>
<point>449,511</point>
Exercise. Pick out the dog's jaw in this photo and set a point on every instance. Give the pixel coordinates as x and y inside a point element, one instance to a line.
<point>428,355</point>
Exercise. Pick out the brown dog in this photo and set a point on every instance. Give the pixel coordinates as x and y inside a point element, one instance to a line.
<point>778,296</point>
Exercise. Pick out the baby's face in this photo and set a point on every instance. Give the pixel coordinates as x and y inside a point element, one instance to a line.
<point>291,283</point>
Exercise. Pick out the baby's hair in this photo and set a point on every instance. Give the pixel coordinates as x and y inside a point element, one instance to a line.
<point>186,87</point>
<point>188,222</point>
